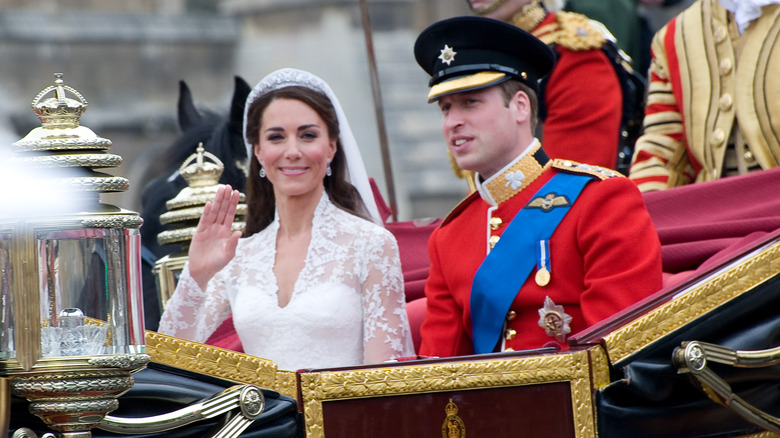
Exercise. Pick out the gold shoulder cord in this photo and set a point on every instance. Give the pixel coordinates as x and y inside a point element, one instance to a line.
<point>529,16</point>
<point>577,32</point>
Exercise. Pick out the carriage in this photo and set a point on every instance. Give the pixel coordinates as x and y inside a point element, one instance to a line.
<point>696,359</point>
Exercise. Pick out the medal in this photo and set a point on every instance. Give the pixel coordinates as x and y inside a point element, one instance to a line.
<point>542,277</point>
<point>543,263</point>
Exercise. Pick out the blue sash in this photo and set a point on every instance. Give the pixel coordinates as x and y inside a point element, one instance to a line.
<point>507,266</point>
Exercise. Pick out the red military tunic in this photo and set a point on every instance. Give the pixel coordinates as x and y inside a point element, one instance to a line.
<point>604,256</point>
<point>582,95</point>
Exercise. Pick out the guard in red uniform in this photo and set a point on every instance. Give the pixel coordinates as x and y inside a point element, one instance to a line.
<point>544,248</point>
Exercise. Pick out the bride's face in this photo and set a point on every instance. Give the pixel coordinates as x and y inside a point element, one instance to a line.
<point>294,147</point>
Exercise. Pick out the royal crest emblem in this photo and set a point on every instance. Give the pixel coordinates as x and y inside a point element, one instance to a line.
<point>453,426</point>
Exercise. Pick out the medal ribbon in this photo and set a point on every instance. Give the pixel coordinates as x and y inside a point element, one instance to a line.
<point>507,266</point>
<point>543,262</point>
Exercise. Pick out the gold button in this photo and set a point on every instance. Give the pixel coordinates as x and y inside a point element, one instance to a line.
<point>725,66</point>
<point>718,137</point>
<point>493,240</point>
<point>725,102</point>
<point>509,349</point>
<point>748,156</point>
<point>495,223</point>
<point>510,334</point>
<point>511,315</point>
<point>720,34</point>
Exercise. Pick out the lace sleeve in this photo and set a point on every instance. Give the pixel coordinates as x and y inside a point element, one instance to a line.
<point>386,332</point>
<point>192,313</point>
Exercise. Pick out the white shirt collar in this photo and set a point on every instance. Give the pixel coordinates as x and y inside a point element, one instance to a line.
<point>745,11</point>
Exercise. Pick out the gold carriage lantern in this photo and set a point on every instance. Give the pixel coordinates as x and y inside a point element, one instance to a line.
<point>201,170</point>
<point>70,291</point>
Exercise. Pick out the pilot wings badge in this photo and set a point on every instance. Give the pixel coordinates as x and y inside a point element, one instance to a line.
<point>548,202</point>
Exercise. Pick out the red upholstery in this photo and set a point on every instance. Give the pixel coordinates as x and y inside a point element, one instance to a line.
<point>699,225</point>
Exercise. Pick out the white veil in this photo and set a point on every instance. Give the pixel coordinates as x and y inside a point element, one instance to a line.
<point>356,171</point>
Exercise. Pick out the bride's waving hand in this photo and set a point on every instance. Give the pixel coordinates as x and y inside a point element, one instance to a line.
<point>214,242</point>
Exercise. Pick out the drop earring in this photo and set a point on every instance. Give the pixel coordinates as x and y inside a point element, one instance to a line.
<point>262,170</point>
<point>328,171</point>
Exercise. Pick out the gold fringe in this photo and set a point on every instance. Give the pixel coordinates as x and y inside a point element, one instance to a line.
<point>575,32</point>
<point>529,16</point>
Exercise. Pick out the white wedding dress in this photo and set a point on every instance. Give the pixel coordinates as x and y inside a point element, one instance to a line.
<point>347,307</point>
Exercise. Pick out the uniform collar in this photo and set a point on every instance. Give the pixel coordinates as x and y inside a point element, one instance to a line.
<point>515,176</point>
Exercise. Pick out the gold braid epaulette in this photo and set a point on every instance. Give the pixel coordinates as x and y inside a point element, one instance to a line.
<point>587,169</point>
<point>573,31</point>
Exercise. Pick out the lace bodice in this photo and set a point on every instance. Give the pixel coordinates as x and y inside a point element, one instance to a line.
<point>347,305</point>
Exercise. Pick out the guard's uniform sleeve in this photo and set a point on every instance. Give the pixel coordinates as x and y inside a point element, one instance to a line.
<point>444,331</point>
<point>660,158</point>
<point>584,100</point>
<point>620,247</point>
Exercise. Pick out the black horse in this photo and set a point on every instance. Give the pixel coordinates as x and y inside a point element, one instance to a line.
<point>222,136</point>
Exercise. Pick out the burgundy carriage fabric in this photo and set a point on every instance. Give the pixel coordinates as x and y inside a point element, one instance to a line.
<point>699,225</point>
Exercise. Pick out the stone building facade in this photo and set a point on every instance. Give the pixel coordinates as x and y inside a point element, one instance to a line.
<point>126,58</point>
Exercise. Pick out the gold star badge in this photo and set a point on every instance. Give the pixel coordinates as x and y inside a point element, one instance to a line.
<point>554,320</point>
<point>447,55</point>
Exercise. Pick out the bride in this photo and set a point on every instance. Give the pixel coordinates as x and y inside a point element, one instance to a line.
<point>316,280</point>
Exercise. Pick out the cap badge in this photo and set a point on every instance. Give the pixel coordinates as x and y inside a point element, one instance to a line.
<point>447,55</point>
<point>554,320</point>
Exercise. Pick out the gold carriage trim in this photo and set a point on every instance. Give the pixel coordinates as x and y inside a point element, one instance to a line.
<point>61,144</point>
<point>92,184</point>
<point>584,370</point>
<point>113,221</point>
<point>184,235</point>
<point>219,362</point>
<point>193,213</point>
<point>73,160</point>
<point>708,294</point>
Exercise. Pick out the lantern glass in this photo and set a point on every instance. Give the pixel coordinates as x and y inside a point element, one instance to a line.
<point>7,350</point>
<point>90,292</point>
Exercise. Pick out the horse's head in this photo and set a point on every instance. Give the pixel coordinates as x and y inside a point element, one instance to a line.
<point>221,134</point>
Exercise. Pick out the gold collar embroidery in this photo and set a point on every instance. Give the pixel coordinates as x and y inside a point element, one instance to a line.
<point>516,176</point>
